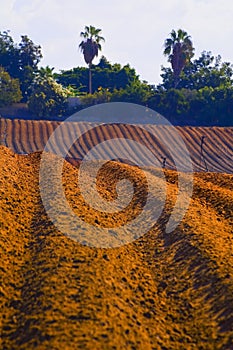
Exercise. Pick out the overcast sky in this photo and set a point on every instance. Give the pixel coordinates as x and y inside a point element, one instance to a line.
<point>134,30</point>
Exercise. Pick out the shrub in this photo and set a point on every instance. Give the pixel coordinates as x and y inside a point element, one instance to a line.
<point>9,89</point>
<point>48,98</point>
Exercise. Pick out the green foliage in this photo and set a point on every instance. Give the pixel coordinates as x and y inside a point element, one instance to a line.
<point>105,75</point>
<point>100,96</point>
<point>48,98</point>
<point>76,78</point>
<point>203,95</point>
<point>206,106</point>
<point>207,70</point>
<point>45,72</point>
<point>20,60</point>
<point>215,105</point>
<point>171,103</point>
<point>9,89</point>
<point>9,57</point>
<point>135,92</point>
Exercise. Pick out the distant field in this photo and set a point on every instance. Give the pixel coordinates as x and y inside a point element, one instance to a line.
<point>29,136</point>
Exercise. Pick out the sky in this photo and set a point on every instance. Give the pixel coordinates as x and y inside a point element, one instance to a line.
<point>134,30</point>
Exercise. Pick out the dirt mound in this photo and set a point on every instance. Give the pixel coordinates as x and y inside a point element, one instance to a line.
<point>162,291</point>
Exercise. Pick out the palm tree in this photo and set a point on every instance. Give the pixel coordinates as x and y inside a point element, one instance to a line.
<point>179,49</point>
<point>46,72</point>
<point>90,47</point>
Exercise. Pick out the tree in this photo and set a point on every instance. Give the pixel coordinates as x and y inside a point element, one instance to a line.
<point>206,70</point>
<point>48,98</point>
<point>179,49</point>
<point>29,58</point>
<point>8,53</point>
<point>173,104</point>
<point>46,72</point>
<point>104,74</point>
<point>20,60</point>
<point>90,47</point>
<point>135,92</point>
<point>9,89</point>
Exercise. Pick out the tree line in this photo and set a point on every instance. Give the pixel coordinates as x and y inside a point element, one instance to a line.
<point>194,91</point>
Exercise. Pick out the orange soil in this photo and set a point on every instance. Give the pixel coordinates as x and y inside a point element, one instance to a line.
<point>163,291</point>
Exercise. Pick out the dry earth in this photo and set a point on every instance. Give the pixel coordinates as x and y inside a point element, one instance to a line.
<point>161,291</point>
<point>27,136</point>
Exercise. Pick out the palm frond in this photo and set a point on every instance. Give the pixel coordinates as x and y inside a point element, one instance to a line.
<point>179,49</point>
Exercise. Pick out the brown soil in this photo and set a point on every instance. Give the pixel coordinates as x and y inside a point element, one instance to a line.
<point>162,291</point>
<point>27,136</point>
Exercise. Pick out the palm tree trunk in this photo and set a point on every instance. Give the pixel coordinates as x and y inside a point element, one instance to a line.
<point>90,79</point>
<point>176,81</point>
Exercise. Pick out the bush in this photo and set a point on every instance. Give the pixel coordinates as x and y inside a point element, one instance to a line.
<point>48,98</point>
<point>9,89</point>
<point>100,96</point>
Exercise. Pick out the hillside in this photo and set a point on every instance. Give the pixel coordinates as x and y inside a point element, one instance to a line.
<point>27,136</point>
<point>161,291</point>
